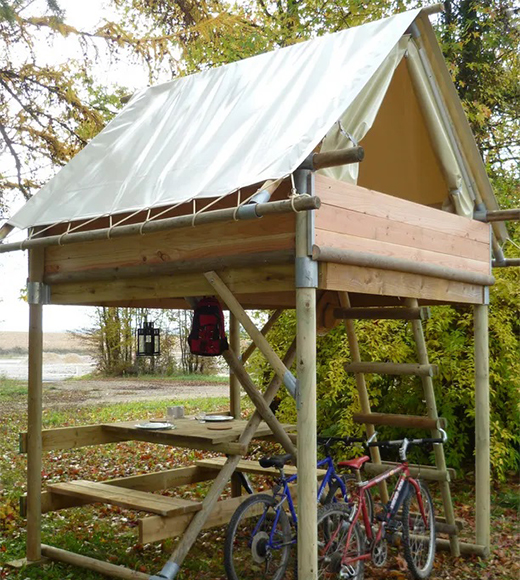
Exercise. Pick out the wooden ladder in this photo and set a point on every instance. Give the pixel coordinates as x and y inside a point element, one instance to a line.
<point>414,314</point>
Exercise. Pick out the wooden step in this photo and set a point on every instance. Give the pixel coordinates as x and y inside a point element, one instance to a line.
<point>415,421</point>
<point>253,467</point>
<point>388,368</point>
<point>426,472</point>
<point>422,313</point>
<point>125,498</point>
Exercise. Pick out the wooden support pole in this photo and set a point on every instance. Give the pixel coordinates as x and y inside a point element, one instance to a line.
<point>172,567</point>
<point>92,564</point>
<point>431,405</point>
<point>267,327</point>
<point>234,391</point>
<point>306,393</point>
<point>413,421</point>
<point>185,221</point>
<point>384,368</point>
<point>256,396</point>
<point>502,215</point>
<point>361,387</point>
<point>259,339</point>
<point>482,441</point>
<point>34,419</point>
<point>234,385</point>
<point>367,260</point>
<point>382,313</point>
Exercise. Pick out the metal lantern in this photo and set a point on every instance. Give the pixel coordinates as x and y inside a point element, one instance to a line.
<point>148,340</point>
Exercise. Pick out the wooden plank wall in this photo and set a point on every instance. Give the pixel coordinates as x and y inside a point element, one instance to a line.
<point>205,241</point>
<point>361,220</point>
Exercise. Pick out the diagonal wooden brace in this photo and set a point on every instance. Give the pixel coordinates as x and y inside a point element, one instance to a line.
<point>172,567</point>
<point>258,338</point>
<point>256,396</point>
<point>267,327</point>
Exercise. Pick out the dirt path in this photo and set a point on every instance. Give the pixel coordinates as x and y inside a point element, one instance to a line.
<point>59,394</point>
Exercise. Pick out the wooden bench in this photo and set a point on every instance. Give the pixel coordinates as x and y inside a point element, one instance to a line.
<point>253,467</point>
<point>125,498</point>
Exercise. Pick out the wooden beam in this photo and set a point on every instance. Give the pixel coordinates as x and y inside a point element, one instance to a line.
<point>414,421</point>
<point>307,545</point>
<point>71,438</point>
<point>364,280</point>
<point>466,549</point>
<point>258,399</point>
<point>259,339</point>
<point>267,327</point>
<point>386,368</point>
<point>261,209</point>
<point>272,278</point>
<point>254,467</point>
<point>96,492</point>
<point>382,313</point>
<point>92,564</point>
<point>367,260</point>
<point>183,266</point>
<point>429,474</point>
<point>482,437</point>
<point>34,419</point>
<point>145,482</point>
<point>156,528</point>
<point>234,384</point>
<point>377,469</point>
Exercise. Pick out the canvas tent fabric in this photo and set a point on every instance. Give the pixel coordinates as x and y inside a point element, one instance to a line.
<point>209,134</point>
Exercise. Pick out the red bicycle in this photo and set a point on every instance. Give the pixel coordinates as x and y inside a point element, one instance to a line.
<point>343,546</point>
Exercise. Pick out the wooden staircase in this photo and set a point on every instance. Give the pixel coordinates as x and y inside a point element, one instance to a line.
<point>431,421</point>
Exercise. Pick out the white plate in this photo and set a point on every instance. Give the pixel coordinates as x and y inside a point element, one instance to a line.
<point>217,418</point>
<point>155,425</point>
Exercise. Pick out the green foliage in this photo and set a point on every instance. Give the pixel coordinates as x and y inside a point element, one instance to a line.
<point>449,336</point>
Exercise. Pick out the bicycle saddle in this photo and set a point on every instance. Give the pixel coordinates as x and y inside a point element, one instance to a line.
<point>277,461</point>
<point>354,463</point>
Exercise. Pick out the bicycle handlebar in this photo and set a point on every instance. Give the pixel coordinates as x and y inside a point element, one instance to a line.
<point>403,444</point>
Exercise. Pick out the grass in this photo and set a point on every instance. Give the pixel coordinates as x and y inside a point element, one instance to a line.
<point>108,532</point>
<point>12,389</point>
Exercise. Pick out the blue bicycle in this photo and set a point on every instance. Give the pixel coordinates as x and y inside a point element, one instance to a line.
<point>261,533</point>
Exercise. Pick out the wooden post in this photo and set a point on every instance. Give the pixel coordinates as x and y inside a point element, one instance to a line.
<point>34,426</point>
<point>361,386</point>
<point>234,385</point>
<point>234,391</point>
<point>306,393</point>
<point>482,470</point>
<point>431,406</point>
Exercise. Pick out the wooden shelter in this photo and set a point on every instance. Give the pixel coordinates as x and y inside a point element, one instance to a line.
<point>330,249</point>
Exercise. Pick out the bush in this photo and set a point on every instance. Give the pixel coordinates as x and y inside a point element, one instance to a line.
<point>449,336</point>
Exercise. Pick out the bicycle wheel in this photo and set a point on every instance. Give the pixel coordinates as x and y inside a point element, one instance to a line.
<point>419,532</point>
<point>335,494</point>
<point>333,527</point>
<point>254,548</point>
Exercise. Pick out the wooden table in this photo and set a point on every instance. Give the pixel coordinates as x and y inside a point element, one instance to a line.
<point>191,434</point>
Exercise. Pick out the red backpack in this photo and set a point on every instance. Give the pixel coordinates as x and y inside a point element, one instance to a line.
<point>208,335</point>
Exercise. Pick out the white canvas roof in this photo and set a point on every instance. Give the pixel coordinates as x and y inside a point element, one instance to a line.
<point>212,133</point>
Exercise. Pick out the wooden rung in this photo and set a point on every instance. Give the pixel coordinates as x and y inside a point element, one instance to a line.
<point>441,526</point>
<point>387,368</point>
<point>422,313</point>
<point>422,471</point>
<point>125,498</point>
<point>253,467</point>
<point>414,421</point>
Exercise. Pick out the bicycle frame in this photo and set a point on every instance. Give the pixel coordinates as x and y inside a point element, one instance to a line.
<point>284,493</point>
<point>399,494</point>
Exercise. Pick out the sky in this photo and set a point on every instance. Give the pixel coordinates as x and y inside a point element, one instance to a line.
<point>14,312</point>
